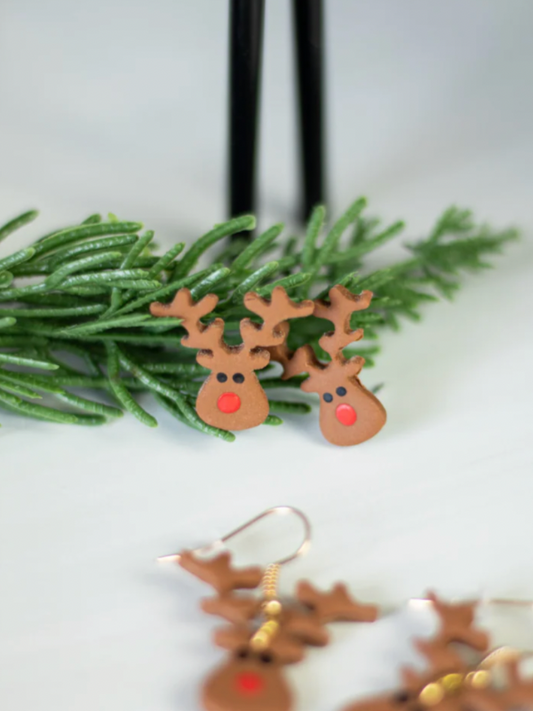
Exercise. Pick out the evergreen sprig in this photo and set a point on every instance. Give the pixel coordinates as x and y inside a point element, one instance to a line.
<point>83,320</point>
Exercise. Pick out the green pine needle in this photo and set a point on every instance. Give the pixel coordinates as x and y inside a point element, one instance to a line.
<point>18,222</point>
<point>256,248</point>
<point>84,321</point>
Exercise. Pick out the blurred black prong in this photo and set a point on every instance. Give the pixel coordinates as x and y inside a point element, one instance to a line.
<point>246,40</point>
<point>309,33</point>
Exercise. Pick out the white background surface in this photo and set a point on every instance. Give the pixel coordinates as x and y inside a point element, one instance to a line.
<point>121,106</point>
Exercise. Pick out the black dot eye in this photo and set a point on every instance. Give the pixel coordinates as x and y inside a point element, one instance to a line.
<point>242,653</point>
<point>328,397</point>
<point>341,391</point>
<point>238,378</point>
<point>401,697</point>
<point>266,658</point>
<point>222,377</point>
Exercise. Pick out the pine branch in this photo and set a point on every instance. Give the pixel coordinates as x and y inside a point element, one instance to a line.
<point>84,321</point>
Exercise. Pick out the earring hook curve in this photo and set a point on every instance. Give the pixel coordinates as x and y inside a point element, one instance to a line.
<point>510,602</point>
<point>275,510</point>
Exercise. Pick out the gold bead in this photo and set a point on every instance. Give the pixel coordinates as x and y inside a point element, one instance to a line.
<point>452,683</point>
<point>272,608</point>
<point>259,642</point>
<point>271,627</point>
<point>431,694</point>
<point>270,581</point>
<point>478,679</point>
<point>264,634</point>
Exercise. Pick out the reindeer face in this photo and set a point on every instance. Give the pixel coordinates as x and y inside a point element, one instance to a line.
<point>248,681</point>
<point>232,398</point>
<point>349,413</point>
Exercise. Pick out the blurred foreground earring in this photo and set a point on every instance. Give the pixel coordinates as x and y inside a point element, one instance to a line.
<point>265,631</point>
<point>462,671</point>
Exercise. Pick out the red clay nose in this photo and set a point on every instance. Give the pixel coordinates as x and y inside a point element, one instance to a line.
<point>228,403</point>
<point>346,415</point>
<point>249,683</point>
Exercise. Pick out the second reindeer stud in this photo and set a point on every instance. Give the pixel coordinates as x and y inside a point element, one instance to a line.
<point>349,413</point>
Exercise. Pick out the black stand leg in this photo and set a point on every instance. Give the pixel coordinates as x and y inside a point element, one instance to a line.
<point>309,31</point>
<point>246,39</point>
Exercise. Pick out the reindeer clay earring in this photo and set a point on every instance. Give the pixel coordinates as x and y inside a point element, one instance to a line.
<point>460,674</point>
<point>265,631</point>
<point>232,397</point>
<point>349,413</point>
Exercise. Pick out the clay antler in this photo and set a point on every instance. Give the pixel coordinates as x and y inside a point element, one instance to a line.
<point>303,360</point>
<point>232,636</point>
<point>339,311</point>
<point>336,605</point>
<point>275,313</point>
<point>219,573</point>
<point>236,609</point>
<point>457,624</point>
<point>205,337</point>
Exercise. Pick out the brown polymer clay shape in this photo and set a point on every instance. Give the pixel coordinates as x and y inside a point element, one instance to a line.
<point>450,681</point>
<point>264,633</point>
<point>349,413</point>
<point>232,398</point>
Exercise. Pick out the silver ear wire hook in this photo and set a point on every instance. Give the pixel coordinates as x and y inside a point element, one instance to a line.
<point>510,602</point>
<point>276,510</point>
<point>516,602</point>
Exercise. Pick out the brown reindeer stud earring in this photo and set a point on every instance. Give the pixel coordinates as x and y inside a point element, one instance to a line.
<point>232,397</point>
<point>349,413</point>
<point>265,631</point>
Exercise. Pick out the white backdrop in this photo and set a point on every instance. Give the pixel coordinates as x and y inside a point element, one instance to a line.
<point>121,106</point>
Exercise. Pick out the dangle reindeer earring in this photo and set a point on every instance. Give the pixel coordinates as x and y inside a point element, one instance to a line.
<point>265,631</point>
<point>452,681</point>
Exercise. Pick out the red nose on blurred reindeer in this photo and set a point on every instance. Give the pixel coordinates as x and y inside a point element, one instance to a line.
<point>264,634</point>
<point>349,413</point>
<point>232,397</point>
